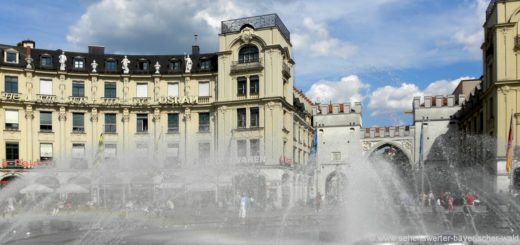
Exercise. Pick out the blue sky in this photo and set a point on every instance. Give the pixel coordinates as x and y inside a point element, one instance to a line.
<point>379,52</point>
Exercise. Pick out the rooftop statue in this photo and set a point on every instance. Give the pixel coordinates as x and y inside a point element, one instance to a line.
<point>189,63</point>
<point>125,63</point>
<point>62,60</point>
<point>94,66</point>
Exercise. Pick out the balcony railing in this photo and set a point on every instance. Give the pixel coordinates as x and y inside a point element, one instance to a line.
<point>244,67</point>
<point>204,99</point>
<point>78,99</point>
<point>109,100</point>
<point>141,100</point>
<point>45,98</point>
<point>11,96</point>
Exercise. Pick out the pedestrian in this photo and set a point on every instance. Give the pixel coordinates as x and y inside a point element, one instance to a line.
<point>431,198</point>
<point>317,203</point>
<point>244,203</point>
<point>450,203</point>
<point>470,199</point>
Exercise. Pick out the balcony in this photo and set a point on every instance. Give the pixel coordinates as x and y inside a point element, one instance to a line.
<point>204,100</point>
<point>78,130</point>
<point>238,67</point>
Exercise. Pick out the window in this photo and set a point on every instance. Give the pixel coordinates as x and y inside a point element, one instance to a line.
<point>255,147</point>
<point>11,120</point>
<point>111,65</point>
<point>241,148</point>
<point>78,122</point>
<point>175,65</point>
<point>205,65</point>
<point>172,155</point>
<point>142,150</point>
<point>45,121</point>
<point>78,151</point>
<point>241,118</point>
<point>203,121</point>
<point>142,123</point>
<point>11,57</point>
<point>248,54</point>
<point>173,89</point>
<point>78,157</point>
<point>11,84</point>
<point>46,60</point>
<point>78,89</point>
<point>204,152</point>
<point>11,151</point>
<point>79,63</point>
<point>254,85</point>
<point>142,90</point>
<point>110,151</point>
<point>45,152</point>
<point>336,156</point>
<point>45,87</point>
<point>255,117</point>
<point>173,122</point>
<point>110,123</point>
<point>241,86</point>
<point>143,65</point>
<point>110,90</point>
<point>204,89</point>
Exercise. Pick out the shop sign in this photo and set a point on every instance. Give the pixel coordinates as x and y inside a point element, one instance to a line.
<point>179,100</point>
<point>20,163</point>
<point>251,160</point>
<point>11,96</point>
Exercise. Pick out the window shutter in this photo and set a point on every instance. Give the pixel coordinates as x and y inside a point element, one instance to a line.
<point>173,89</point>
<point>204,89</point>
<point>46,87</point>
<point>78,151</point>
<point>142,90</point>
<point>11,116</point>
<point>45,150</point>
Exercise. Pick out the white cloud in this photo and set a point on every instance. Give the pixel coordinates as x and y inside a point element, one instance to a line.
<point>347,89</point>
<point>316,38</point>
<point>390,100</point>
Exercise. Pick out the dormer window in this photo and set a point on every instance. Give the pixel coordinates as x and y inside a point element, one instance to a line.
<point>11,56</point>
<point>205,65</point>
<point>79,63</point>
<point>111,65</point>
<point>175,65</point>
<point>143,65</point>
<point>46,60</point>
<point>248,54</point>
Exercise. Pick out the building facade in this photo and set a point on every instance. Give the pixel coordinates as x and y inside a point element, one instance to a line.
<point>203,122</point>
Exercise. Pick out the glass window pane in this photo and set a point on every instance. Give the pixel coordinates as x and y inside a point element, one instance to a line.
<point>142,90</point>
<point>11,116</point>
<point>11,57</point>
<point>11,84</point>
<point>78,119</point>
<point>173,122</point>
<point>173,89</point>
<point>45,118</point>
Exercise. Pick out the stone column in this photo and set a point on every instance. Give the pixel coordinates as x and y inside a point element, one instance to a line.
<point>126,120</point>
<point>95,133</point>
<point>29,85</point>
<point>29,116</point>
<point>126,88</point>
<point>94,89</point>
<point>157,132</point>
<point>62,117</point>
<point>156,88</point>
<point>62,87</point>
<point>187,118</point>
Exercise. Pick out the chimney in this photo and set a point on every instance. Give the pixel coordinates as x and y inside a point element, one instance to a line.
<point>99,50</point>
<point>195,49</point>
<point>28,44</point>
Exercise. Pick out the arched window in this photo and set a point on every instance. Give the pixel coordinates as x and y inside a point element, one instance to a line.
<point>248,54</point>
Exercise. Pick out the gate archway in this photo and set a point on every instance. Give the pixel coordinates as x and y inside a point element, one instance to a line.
<point>398,159</point>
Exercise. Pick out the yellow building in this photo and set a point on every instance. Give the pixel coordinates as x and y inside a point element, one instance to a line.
<point>497,97</point>
<point>165,120</point>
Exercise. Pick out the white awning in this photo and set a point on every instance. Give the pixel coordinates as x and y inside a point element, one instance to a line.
<point>142,90</point>
<point>46,87</point>
<point>45,150</point>
<point>173,89</point>
<point>11,116</point>
<point>203,89</point>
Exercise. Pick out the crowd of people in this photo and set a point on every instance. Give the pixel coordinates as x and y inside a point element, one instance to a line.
<point>447,200</point>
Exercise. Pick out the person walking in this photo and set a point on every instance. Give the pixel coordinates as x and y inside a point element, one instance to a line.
<point>244,203</point>
<point>317,203</point>
<point>450,203</point>
<point>431,199</point>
